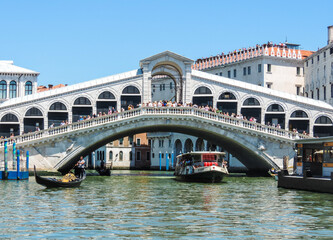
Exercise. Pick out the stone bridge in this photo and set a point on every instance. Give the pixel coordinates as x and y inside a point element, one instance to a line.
<point>258,147</point>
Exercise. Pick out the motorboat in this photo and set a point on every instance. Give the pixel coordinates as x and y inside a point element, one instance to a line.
<point>207,167</point>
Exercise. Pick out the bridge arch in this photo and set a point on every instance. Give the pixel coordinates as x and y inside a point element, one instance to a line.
<point>323,126</point>
<point>275,115</point>
<point>82,107</point>
<point>9,124</point>
<point>203,95</point>
<point>178,146</point>
<point>188,146</point>
<point>33,119</point>
<point>130,95</point>
<point>227,102</point>
<point>106,100</point>
<point>252,107</point>
<point>199,145</point>
<point>58,113</point>
<point>299,120</point>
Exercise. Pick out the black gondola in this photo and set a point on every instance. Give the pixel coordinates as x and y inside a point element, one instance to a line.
<point>54,183</point>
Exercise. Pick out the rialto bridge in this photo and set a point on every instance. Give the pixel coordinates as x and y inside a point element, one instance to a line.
<point>40,110</point>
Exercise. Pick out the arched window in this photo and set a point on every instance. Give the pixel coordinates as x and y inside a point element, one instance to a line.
<point>34,112</point>
<point>131,90</point>
<point>12,89</point>
<point>323,120</point>
<point>58,106</point>
<point>82,101</point>
<point>251,102</point>
<point>130,156</point>
<point>227,96</point>
<point>121,156</point>
<point>202,90</point>
<point>110,155</point>
<point>275,108</point>
<point>106,95</point>
<point>3,89</point>
<point>9,118</point>
<point>299,114</point>
<point>28,88</point>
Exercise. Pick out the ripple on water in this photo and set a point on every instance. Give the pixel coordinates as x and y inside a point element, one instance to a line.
<point>146,206</point>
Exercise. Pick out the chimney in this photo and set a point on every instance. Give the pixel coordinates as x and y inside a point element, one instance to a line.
<point>50,86</point>
<point>330,34</point>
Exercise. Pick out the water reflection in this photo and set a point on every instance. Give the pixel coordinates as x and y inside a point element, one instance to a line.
<point>152,206</point>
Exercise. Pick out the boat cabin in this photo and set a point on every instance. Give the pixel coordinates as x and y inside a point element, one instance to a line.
<point>201,159</point>
<point>315,157</point>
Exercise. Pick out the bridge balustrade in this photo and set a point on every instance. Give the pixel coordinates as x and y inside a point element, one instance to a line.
<point>155,111</point>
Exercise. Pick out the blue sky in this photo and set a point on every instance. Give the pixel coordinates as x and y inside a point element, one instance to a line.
<point>74,41</point>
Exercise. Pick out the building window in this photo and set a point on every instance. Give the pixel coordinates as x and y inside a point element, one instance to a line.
<point>311,94</point>
<point>235,73</point>
<point>324,70</point>
<point>324,92</point>
<point>331,50</point>
<point>121,157</point>
<point>269,68</point>
<point>331,90</point>
<point>307,63</point>
<point>298,71</point>
<point>28,88</point>
<point>138,142</point>
<point>153,155</point>
<point>171,85</point>
<point>138,156</point>
<point>169,143</point>
<point>221,74</point>
<point>244,71</point>
<point>332,69</point>
<point>298,90</point>
<point>259,67</point>
<point>130,156</point>
<point>12,89</point>
<point>149,142</point>
<point>318,94</point>
<point>249,70</point>
<point>130,140</point>
<point>161,143</point>
<point>110,155</point>
<point>318,58</point>
<point>229,74</point>
<point>148,156</point>
<point>311,60</point>
<point>161,87</point>
<point>269,85</point>
<point>121,141</point>
<point>324,54</point>
<point>306,94</point>
<point>3,89</point>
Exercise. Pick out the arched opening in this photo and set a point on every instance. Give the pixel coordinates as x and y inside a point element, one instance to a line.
<point>9,125</point>
<point>121,156</point>
<point>12,89</point>
<point>211,146</point>
<point>323,127</point>
<point>188,147</point>
<point>81,109</point>
<point>33,120</point>
<point>166,82</point>
<point>199,145</point>
<point>227,103</point>
<point>111,156</point>
<point>299,121</point>
<point>130,96</point>
<point>57,114</point>
<point>275,116</point>
<point>251,108</point>
<point>178,147</point>
<point>28,88</point>
<point>106,102</point>
<point>203,96</point>
<point>3,89</point>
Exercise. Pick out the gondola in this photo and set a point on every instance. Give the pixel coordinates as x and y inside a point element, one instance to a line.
<point>55,183</point>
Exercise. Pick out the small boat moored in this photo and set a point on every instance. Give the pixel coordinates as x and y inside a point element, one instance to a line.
<point>68,181</point>
<point>207,167</point>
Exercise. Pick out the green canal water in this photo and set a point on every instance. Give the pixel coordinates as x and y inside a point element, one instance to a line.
<point>151,205</point>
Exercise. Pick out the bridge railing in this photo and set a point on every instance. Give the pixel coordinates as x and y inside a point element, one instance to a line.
<point>154,111</point>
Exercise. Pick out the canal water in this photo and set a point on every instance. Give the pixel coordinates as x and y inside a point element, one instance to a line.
<point>151,205</point>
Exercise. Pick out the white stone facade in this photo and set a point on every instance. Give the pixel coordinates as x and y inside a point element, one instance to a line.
<point>16,81</point>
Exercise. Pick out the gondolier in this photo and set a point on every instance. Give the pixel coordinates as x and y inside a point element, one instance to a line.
<point>80,165</point>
